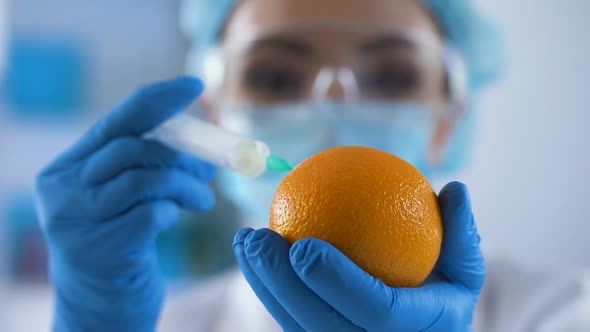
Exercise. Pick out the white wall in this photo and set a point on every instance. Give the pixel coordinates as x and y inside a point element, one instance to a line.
<point>131,42</point>
<point>3,33</point>
<point>529,176</point>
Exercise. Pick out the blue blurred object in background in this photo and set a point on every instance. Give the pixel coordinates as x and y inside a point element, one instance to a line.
<point>46,76</point>
<point>28,257</point>
<point>171,257</point>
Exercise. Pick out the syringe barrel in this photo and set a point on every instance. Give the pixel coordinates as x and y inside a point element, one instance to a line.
<point>213,144</point>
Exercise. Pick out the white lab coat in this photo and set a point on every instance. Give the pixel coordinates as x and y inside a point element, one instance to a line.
<point>513,299</point>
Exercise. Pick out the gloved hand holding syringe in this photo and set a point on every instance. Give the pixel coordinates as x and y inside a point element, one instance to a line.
<point>247,156</point>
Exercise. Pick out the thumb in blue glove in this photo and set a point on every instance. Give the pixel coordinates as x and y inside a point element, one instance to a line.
<point>103,202</point>
<point>313,287</point>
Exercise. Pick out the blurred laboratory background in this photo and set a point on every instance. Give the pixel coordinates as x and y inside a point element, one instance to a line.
<point>69,61</point>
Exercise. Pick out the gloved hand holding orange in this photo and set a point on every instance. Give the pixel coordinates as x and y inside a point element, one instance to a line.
<point>356,244</point>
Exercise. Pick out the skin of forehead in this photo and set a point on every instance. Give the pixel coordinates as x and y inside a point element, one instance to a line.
<point>252,16</point>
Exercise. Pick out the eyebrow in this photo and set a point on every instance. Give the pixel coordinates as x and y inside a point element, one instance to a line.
<point>283,44</point>
<point>385,43</point>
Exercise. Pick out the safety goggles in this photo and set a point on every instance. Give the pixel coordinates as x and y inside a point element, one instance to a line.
<point>335,60</point>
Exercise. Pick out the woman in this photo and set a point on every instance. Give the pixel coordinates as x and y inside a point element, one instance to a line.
<point>399,75</point>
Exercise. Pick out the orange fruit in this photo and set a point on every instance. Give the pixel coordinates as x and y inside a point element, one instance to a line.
<point>375,207</point>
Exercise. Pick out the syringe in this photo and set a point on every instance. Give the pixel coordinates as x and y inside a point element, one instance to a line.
<point>247,156</point>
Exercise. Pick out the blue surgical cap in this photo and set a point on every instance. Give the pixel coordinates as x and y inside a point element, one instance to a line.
<point>467,30</point>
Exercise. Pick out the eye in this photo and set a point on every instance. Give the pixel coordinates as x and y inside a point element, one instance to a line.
<point>272,81</point>
<point>389,81</point>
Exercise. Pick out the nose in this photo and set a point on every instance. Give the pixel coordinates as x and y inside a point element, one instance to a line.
<point>336,91</point>
<point>334,84</point>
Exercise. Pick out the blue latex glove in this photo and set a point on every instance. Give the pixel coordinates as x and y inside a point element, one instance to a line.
<point>102,204</point>
<point>313,287</point>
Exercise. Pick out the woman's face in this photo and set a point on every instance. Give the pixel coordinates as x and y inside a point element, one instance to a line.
<point>276,51</point>
<point>294,51</point>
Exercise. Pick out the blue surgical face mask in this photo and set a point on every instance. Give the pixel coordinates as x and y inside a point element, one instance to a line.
<point>296,132</point>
